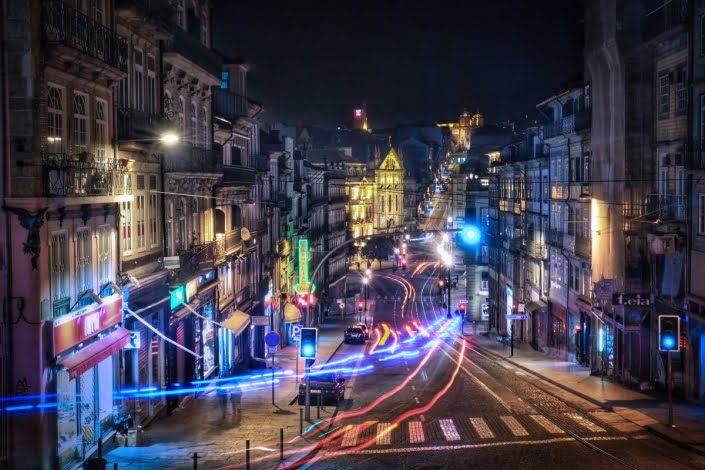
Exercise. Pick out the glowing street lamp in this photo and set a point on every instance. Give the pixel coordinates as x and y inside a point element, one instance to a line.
<point>169,138</point>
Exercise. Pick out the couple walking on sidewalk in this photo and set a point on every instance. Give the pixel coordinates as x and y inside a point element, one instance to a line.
<point>235,395</point>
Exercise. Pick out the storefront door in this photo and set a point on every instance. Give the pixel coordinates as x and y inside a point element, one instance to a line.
<point>88,410</point>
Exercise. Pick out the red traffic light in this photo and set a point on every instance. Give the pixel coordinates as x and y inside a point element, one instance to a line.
<point>462,307</point>
<point>360,305</point>
<point>441,282</point>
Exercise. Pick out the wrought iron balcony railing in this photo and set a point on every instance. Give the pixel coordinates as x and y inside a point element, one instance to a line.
<point>665,207</point>
<point>158,13</point>
<point>187,159</point>
<point>139,125</point>
<point>197,258</point>
<point>190,47</point>
<point>69,175</point>
<point>572,123</point>
<point>238,175</point>
<point>65,25</point>
<point>229,105</point>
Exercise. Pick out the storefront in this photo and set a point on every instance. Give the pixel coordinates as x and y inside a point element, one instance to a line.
<point>86,344</point>
<point>144,357</point>
<point>292,316</point>
<point>230,348</point>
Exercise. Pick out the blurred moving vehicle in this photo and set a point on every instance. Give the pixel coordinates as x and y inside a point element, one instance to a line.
<point>354,334</point>
<point>365,329</point>
<point>329,388</point>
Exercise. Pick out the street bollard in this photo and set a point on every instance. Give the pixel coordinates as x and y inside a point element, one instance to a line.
<point>247,454</point>
<point>301,421</point>
<point>115,466</point>
<point>281,443</point>
<point>195,460</point>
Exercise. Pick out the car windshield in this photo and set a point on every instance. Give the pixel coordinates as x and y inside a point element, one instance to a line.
<point>324,378</point>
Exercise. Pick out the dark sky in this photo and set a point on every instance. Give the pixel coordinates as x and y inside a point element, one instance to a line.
<point>420,60</point>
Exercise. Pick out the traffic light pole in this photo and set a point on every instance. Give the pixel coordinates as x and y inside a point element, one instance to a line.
<point>670,390</point>
<point>308,390</point>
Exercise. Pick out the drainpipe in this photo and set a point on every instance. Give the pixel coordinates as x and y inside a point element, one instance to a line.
<point>6,440</point>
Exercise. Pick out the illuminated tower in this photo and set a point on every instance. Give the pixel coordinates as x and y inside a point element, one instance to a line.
<point>360,117</point>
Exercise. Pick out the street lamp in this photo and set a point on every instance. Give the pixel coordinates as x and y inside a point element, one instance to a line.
<point>169,138</point>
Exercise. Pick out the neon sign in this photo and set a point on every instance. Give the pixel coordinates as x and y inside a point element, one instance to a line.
<point>304,285</point>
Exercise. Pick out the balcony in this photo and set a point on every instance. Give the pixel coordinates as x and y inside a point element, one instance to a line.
<point>197,258</point>
<point>336,199</point>
<point>150,18</point>
<point>583,247</point>
<point>71,31</point>
<point>666,207</point>
<point>238,175</point>
<point>573,123</point>
<point>554,237</point>
<point>139,125</point>
<point>185,50</point>
<point>67,175</point>
<point>262,163</point>
<point>187,159</point>
<point>231,106</point>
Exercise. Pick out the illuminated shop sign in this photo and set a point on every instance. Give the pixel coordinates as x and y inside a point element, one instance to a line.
<point>177,297</point>
<point>74,328</point>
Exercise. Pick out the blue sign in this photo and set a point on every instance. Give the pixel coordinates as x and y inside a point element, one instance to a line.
<point>272,339</point>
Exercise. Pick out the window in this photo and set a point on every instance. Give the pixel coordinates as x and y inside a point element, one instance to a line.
<point>664,93</point>
<point>153,212</point>
<point>702,35</point>
<point>58,254</point>
<point>194,125</point>
<point>105,261</point>
<point>80,123</point>
<point>484,285</point>
<point>574,277</point>
<point>84,266</point>
<point>138,77</point>
<point>141,242</point>
<point>204,29</point>
<point>182,116</point>
<point>224,80</point>
<point>206,136</point>
<point>126,226</point>
<point>123,94</point>
<point>101,130</point>
<point>663,181</point>
<point>180,15</point>
<point>99,11</point>
<point>681,90</point>
<point>55,119</point>
<point>701,213</point>
<point>151,85</point>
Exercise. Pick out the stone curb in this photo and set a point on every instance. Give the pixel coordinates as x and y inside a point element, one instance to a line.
<point>649,427</point>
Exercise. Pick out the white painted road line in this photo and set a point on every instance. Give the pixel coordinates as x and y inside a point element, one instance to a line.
<point>350,436</point>
<point>481,428</point>
<point>546,424</point>
<point>514,426</point>
<point>586,423</point>
<point>384,434</point>
<point>449,431</point>
<point>416,434</point>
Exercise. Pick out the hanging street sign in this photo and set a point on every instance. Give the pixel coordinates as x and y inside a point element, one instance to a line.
<point>304,285</point>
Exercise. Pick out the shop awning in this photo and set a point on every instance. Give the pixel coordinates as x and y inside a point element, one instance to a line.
<point>534,306</point>
<point>292,314</point>
<point>237,322</point>
<point>92,355</point>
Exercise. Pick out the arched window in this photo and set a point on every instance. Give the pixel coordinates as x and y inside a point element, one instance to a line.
<point>236,217</point>
<point>194,125</point>
<point>206,136</point>
<point>182,117</point>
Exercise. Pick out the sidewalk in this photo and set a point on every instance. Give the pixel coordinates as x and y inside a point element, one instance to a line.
<point>197,426</point>
<point>648,411</point>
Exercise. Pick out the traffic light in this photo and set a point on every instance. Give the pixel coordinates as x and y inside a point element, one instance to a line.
<point>441,282</point>
<point>471,234</point>
<point>360,306</point>
<point>309,343</point>
<point>403,263</point>
<point>669,332</point>
<point>462,307</point>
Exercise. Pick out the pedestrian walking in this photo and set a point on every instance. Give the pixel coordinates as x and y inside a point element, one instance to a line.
<point>223,400</point>
<point>236,401</point>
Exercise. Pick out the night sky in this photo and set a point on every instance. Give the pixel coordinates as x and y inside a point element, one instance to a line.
<point>414,61</point>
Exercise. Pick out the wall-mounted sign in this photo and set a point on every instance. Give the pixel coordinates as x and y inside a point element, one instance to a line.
<point>304,285</point>
<point>191,289</point>
<point>260,320</point>
<point>177,297</point>
<point>83,324</point>
<point>172,262</point>
<point>135,340</point>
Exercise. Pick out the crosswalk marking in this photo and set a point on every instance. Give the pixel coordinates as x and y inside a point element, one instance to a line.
<point>481,428</point>
<point>416,434</point>
<point>384,434</point>
<point>350,436</point>
<point>449,431</point>
<point>514,426</point>
<point>546,424</point>
<point>586,423</point>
